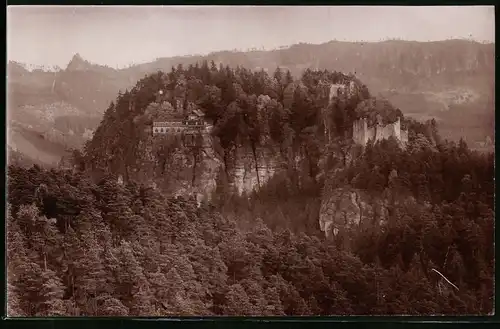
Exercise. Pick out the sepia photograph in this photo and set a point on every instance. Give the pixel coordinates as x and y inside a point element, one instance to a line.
<point>255,161</point>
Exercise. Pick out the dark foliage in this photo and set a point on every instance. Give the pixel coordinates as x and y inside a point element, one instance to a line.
<point>82,246</point>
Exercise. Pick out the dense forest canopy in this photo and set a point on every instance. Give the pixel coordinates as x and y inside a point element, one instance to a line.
<point>80,244</point>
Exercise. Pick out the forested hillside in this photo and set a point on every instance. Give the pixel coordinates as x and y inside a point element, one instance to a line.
<point>81,243</point>
<point>253,114</point>
<point>78,248</point>
<point>444,80</point>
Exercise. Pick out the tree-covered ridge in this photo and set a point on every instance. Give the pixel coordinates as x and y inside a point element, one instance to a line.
<point>418,77</point>
<point>252,112</point>
<point>259,253</point>
<point>79,248</point>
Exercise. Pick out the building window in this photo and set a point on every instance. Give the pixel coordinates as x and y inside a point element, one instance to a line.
<point>189,140</point>
<point>161,129</point>
<point>156,130</point>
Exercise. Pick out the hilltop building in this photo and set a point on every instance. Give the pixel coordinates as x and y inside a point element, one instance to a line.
<point>187,128</point>
<point>193,122</point>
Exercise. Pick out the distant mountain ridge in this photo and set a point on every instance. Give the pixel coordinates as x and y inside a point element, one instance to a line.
<point>446,79</point>
<point>77,63</point>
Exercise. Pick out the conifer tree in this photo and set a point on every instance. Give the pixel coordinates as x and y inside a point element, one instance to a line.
<point>237,302</point>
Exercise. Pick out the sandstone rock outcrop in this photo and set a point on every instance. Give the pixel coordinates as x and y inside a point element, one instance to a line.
<point>346,208</point>
<point>246,177</point>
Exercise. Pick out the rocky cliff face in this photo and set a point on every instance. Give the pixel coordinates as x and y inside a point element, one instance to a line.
<point>248,176</point>
<point>346,209</point>
<point>254,137</point>
<point>125,145</point>
<point>182,170</point>
<point>178,169</point>
<point>270,162</point>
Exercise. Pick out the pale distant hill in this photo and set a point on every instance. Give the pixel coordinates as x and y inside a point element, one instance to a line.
<point>452,81</point>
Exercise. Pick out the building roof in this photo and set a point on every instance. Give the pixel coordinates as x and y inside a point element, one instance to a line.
<point>198,112</point>
<point>167,123</point>
<point>182,121</point>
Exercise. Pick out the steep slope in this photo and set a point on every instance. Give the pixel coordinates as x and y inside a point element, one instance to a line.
<point>55,106</point>
<point>25,146</point>
<point>261,125</point>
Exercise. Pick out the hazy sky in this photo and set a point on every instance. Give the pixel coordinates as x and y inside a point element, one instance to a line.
<point>117,36</point>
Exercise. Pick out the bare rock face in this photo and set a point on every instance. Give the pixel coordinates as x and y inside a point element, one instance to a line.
<point>247,176</point>
<point>183,170</point>
<point>345,209</point>
<point>346,90</point>
<point>177,170</point>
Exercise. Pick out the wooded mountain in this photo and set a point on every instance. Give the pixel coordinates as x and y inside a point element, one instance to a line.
<point>407,227</point>
<point>452,81</point>
<point>413,226</point>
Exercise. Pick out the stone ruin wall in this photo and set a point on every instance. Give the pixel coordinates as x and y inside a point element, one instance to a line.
<point>361,133</point>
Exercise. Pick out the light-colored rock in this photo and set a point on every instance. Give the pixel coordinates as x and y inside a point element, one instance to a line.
<point>344,209</point>
<point>361,133</point>
<point>245,174</point>
<point>88,133</point>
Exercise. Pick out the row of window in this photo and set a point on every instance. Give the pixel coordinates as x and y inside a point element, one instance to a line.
<point>166,130</point>
<point>193,123</point>
<point>179,124</point>
<point>189,140</point>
